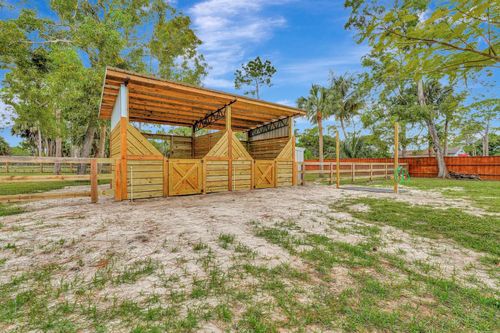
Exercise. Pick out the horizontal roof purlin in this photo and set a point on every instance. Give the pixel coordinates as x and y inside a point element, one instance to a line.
<point>152,100</point>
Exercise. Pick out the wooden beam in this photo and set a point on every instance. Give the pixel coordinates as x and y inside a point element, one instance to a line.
<point>93,182</point>
<point>337,158</point>
<point>123,156</point>
<point>229,148</point>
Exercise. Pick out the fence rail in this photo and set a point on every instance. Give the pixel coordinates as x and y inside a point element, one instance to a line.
<point>347,170</point>
<point>18,164</point>
<point>487,167</point>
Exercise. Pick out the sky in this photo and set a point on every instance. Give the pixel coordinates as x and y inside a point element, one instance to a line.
<point>304,40</point>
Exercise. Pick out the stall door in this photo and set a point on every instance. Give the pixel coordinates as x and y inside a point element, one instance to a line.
<point>264,173</point>
<point>184,177</point>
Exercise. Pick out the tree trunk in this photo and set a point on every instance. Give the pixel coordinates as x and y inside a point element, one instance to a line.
<point>87,147</point>
<point>343,128</point>
<point>39,142</point>
<point>102,142</point>
<point>442,169</point>
<point>320,135</point>
<point>58,150</point>
<point>445,140</point>
<point>486,141</point>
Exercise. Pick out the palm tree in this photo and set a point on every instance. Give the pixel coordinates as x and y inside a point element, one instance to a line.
<point>347,99</point>
<point>318,107</point>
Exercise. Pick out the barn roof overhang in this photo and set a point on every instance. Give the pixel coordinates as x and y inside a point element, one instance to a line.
<point>153,100</point>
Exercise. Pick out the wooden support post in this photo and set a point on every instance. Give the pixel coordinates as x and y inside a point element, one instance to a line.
<point>93,181</point>
<point>193,135</point>
<point>118,180</point>
<point>123,156</point>
<point>252,176</point>
<point>337,157</point>
<point>7,167</point>
<point>331,173</point>
<point>396,156</point>
<point>165,177</point>
<point>229,149</point>
<point>302,173</point>
<point>294,165</point>
<point>386,171</point>
<point>204,176</point>
<point>353,171</point>
<point>371,171</point>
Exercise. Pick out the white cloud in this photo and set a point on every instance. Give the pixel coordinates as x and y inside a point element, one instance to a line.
<point>317,69</point>
<point>286,102</point>
<point>228,28</point>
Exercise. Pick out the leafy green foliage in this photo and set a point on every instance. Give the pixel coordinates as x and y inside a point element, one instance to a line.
<point>4,147</point>
<point>255,74</point>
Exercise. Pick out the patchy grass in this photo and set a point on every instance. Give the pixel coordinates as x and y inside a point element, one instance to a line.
<point>473,232</point>
<point>485,194</point>
<point>10,210</point>
<point>37,187</point>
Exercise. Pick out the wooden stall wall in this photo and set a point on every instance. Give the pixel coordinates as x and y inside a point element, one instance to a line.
<point>216,164</point>
<point>114,144</point>
<point>180,147</point>
<point>242,164</point>
<point>284,165</point>
<point>267,149</point>
<point>144,167</point>
<point>204,143</point>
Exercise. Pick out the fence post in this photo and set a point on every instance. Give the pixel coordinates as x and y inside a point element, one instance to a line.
<point>371,171</point>
<point>93,181</point>
<point>353,170</point>
<point>331,173</point>
<point>302,173</point>
<point>7,167</point>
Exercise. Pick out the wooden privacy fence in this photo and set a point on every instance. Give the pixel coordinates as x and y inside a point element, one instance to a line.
<point>487,167</point>
<point>16,166</point>
<point>347,170</point>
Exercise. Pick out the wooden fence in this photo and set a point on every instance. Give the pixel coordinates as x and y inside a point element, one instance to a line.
<point>487,167</point>
<point>347,170</point>
<point>14,171</point>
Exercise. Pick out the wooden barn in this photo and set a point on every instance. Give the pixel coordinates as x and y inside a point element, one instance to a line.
<point>262,156</point>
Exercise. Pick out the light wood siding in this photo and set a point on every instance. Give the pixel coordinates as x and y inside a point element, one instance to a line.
<point>145,179</point>
<point>284,173</point>
<point>203,144</point>
<point>180,147</point>
<point>137,144</point>
<point>217,176</point>
<point>115,142</point>
<point>268,149</point>
<point>242,175</point>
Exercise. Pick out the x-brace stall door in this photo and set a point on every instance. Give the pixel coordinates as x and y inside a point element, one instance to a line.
<point>185,176</point>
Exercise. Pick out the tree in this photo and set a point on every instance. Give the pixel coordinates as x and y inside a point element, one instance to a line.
<point>485,112</point>
<point>452,38</point>
<point>4,147</point>
<point>414,41</point>
<point>309,140</point>
<point>254,74</point>
<point>96,33</point>
<point>347,99</point>
<point>318,106</point>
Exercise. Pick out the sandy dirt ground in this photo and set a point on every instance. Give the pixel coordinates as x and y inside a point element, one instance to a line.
<point>81,236</point>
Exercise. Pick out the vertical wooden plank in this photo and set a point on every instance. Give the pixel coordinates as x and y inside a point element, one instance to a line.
<point>353,170</point>
<point>275,171</point>
<point>252,176</point>
<point>7,167</point>
<point>396,155</point>
<point>331,173</point>
<point>204,176</point>
<point>193,134</point>
<point>229,149</point>
<point>371,171</point>
<point>123,156</point>
<point>93,181</point>
<point>165,177</point>
<point>118,180</point>
<point>337,158</point>
<point>386,171</point>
